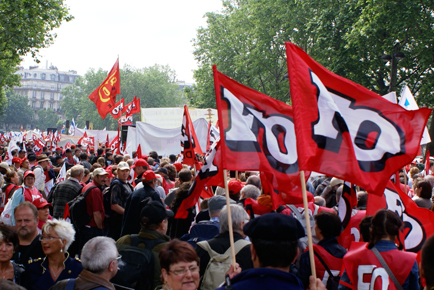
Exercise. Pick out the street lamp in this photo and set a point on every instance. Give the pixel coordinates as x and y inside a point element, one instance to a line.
<point>393,65</point>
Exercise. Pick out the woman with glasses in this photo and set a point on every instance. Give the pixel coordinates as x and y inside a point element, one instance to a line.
<point>41,274</point>
<point>179,266</point>
<point>8,243</point>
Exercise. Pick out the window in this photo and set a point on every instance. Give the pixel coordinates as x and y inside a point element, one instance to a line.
<point>35,75</point>
<point>41,105</point>
<point>71,78</point>
<point>60,97</point>
<point>42,95</point>
<point>43,76</point>
<point>51,105</point>
<point>51,96</point>
<point>61,77</point>
<point>33,104</point>
<point>34,94</point>
<point>52,87</point>
<point>42,86</point>
<point>53,77</point>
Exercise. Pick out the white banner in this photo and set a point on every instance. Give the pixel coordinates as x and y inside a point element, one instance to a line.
<point>169,118</point>
<point>99,135</point>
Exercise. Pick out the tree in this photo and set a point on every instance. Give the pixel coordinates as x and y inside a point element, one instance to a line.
<point>18,111</point>
<point>155,86</point>
<point>26,26</point>
<point>47,119</point>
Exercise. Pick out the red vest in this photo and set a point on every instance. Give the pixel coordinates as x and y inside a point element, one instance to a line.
<point>363,267</point>
<point>31,194</point>
<point>334,264</point>
<point>355,229</point>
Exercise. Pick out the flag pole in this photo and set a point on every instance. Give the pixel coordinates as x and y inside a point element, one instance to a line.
<point>405,181</point>
<point>308,228</point>
<point>228,206</point>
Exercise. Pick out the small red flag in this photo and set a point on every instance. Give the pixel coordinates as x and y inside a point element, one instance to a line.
<point>133,107</point>
<point>117,110</point>
<point>139,152</point>
<point>104,96</point>
<point>190,144</point>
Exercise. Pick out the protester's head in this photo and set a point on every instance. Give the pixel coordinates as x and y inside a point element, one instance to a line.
<point>26,220</point>
<point>118,159</point>
<point>365,228</point>
<point>29,178</point>
<point>149,178</point>
<point>154,155</point>
<point>424,189</point>
<point>335,183</point>
<point>77,152</point>
<point>235,187</point>
<point>151,161</point>
<point>127,157</point>
<point>95,166</point>
<point>123,171</point>
<point>99,176</point>
<point>179,264</point>
<point>77,171</point>
<point>427,263</point>
<point>181,194</point>
<point>12,177</point>
<point>362,199</point>
<point>220,191</point>
<point>250,191</point>
<point>153,216</point>
<point>57,236</point>
<point>172,158</point>
<point>4,167</point>
<point>239,219</point>
<point>100,151</point>
<point>254,180</point>
<point>171,171</point>
<point>216,204</point>
<point>178,166</point>
<point>274,238</point>
<point>99,256</point>
<point>140,166</point>
<point>413,171</point>
<point>101,161</point>
<point>162,171</point>
<point>430,179</point>
<point>83,156</point>
<point>319,201</point>
<point>43,208</point>
<point>184,175</point>
<point>327,225</point>
<point>43,160</point>
<point>8,241</point>
<point>159,179</point>
<point>385,224</point>
<point>416,181</point>
<point>58,160</point>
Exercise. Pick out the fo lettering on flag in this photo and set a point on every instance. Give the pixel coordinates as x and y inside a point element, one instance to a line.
<point>347,131</point>
<point>189,143</point>
<point>117,110</point>
<point>104,96</point>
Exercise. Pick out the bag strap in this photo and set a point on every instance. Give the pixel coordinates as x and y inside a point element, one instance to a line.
<point>88,190</point>
<point>386,267</point>
<point>149,244</point>
<point>295,211</point>
<point>323,263</point>
<point>205,245</point>
<point>238,246</point>
<point>70,284</point>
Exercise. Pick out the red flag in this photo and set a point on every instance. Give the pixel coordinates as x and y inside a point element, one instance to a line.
<point>139,152</point>
<point>189,143</point>
<point>345,130</point>
<point>347,203</point>
<point>2,138</point>
<point>126,120</point>
<point>117,110</point>
<point>68,145</point>
<point>104,96</point>
<point>133,107</point>
<point>114,145</point>
<point>418,222</point>
<point>210,170</point>
<point>107,142</point>
<point>37,147</point>
<point>257,133</point>
<point>427,163</point>
<point>86,141</point>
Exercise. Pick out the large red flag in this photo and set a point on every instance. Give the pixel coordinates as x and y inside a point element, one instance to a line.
<point>104,96</point>
<point>418,222</point>
<point>257,133</point>
<point>133,107</point>
<point>117,110</point>
<point>346,212</point>
<point>347,131</point>
<point>189,143</point>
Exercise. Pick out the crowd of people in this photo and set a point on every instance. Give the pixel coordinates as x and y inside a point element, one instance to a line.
<point>111,223</point>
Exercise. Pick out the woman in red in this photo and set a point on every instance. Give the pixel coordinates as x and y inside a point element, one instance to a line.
<point>9,188</point>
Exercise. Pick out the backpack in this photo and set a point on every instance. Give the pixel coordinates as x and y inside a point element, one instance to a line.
<point>302,219</point>
<point>218,264</point>
<point>138,269</point>
<point>78,209</point>
<point>202,231</point>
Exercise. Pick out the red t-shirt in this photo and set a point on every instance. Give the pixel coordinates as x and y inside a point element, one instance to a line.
<point>94,202</point>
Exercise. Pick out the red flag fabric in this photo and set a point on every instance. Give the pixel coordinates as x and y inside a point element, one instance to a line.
<point>189,143</point>
<point>104,96</point>
<point>347,203</point>
<point>132,108</point>
<point>114,145</point>
<point>139,152</point>
<point>345,130</point>
<point>38,146</point>
<point>427,163</point>
<point>210,170</point>
<point>418,222</point>
<point>86,141</point>
<point>107,142</point>
<point>257,133</point>
<point>117,110</point>
<point>208,144</point>
<point>126,120</point>
<point>68,145</point>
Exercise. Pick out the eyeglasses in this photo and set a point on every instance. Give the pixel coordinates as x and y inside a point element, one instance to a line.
<point>182,272</point>
<point>48,238</point>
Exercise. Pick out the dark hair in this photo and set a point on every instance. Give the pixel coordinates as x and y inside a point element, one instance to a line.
<point>95,166</point>
<point>171,171</point>
<point>9,235</point>
<point>362,199</point>
<point>365,228</point>
<point>384,223</point>
<point>329,224</point>
<point>180,195</point>
<point>427,263</point>
<point>100,151</point>
<point>77,150</point>
<point>9,175</point>
<point>172,157</point>
<point>177,251</point>
<point>118,159</point>
<point>86,172</point>
<point>426,191</point>
<point>275,253</point>
<point>83,156</point>
<point>184,175</point>
<point>154,155</point>
<point>107,154</point>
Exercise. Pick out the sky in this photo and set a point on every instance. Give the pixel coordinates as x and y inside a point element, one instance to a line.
<point>141,32</point>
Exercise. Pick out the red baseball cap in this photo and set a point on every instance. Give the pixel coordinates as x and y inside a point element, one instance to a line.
<point>58,148</point>
<point>27,173</point>
<point>110,174</point>
<point>148,175</point>
<point>234,186</point>
<point>16,160</point>
<point>40,203</point>
<point>140,162</point>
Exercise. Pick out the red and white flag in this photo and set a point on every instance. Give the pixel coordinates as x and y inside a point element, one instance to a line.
<point>86,141</point>
<point>189,143</point>
<point>62,174</point>
<point>114,145</point>
<point>347,131</point>
<point>126,120</point>
<point>37,146</point>
<point>132,108</point>
<point>257,133</point>
<point>117,110</point>
<point>104,97</point>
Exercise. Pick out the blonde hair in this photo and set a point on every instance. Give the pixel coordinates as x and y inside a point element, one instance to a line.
<point>62,228</point>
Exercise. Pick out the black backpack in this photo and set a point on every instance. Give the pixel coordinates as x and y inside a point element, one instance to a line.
<point>138,269</point>
<point>78,210</point>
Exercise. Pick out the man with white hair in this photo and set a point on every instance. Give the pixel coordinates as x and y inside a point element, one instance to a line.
<point>249,191</point>
<point>99,259</point>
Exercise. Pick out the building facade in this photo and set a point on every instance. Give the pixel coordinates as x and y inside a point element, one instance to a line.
<point>42,87</point>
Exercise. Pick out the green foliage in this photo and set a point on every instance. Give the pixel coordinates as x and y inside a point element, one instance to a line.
<point>46,119</point>
<point>18,112</point>
<point>246,42</point>
<point>155,86</point>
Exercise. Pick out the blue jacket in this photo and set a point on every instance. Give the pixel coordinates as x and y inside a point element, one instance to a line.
<point>265,278</point>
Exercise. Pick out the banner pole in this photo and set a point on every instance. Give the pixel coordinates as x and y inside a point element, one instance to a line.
<point>308,227</point>
<point>228,206</point>
<point>405,181</point>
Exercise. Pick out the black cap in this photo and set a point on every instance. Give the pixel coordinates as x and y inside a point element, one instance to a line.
<point>155,212</point>
<point>162,170</point>
<point>274,227</point>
